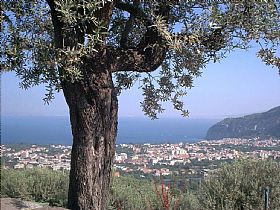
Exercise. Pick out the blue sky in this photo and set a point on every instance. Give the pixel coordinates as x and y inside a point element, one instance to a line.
<point>240,84</point>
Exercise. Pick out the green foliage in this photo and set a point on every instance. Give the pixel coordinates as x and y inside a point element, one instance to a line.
<point>241,186</point>
<point>131,193</point>
<point>135,194</point>
<point>169,197</point>
<point>47,41</point>
<point>238,185</point>
<point>41,185</point>
<point>263,125</point>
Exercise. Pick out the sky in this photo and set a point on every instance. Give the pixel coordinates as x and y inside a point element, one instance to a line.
<point>240,84</point>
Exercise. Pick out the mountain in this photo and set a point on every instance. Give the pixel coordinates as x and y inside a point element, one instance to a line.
<point>263,125</point>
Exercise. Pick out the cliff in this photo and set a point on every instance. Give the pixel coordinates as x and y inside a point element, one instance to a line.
<point>262,125</point>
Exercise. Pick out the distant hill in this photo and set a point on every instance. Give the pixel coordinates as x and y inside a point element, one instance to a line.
<point>263,125</point>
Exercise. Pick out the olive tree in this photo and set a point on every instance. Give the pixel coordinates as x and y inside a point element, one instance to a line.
<point>94,49</point>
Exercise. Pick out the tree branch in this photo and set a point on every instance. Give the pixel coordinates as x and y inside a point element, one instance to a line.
<point>128,27</point>
<point>125,33</point>
<point>134,10</point>
<point>57,24</point>
<point>149,54</point>
<point>146,60</point>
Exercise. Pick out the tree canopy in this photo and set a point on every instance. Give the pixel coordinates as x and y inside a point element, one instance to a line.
<point>180,36</point>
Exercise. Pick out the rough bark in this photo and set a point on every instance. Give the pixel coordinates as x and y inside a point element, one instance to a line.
<point>93,104</point>
<point>93,113</point>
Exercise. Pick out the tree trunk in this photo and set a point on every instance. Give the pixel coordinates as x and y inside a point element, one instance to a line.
<point>93,112</point>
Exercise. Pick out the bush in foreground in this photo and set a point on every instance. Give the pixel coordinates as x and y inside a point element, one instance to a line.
<point>236,186</point>
<point>40,185</point>
<point>127,192</point>
<point>134,194</point>
<point>241,185</point>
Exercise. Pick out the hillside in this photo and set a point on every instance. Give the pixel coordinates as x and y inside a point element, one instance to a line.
<point>263,125</point>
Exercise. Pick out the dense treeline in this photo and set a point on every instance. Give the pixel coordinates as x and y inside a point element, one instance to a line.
<point>235,186</point>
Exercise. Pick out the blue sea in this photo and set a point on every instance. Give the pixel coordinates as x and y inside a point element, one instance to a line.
<point>57,130</point>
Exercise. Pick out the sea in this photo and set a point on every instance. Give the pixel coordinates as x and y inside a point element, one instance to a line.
<point>57,130</point>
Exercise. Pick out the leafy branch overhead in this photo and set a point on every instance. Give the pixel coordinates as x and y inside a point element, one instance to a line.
<point>49,41</point>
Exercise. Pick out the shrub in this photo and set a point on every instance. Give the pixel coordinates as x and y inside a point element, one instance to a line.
<point>40,185</point>
<point>241,186</point>
<point>130,193</point>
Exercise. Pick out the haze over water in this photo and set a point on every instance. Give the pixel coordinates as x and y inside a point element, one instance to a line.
<point>57,130</point>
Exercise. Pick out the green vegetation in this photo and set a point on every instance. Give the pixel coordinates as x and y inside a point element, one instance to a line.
<point>262,125</point>
<point>134,194</point>
<point>241,186</point>
<point>235,186</point>
<point>93,50</point>
<point>131,193</point>
<point>40,185</point>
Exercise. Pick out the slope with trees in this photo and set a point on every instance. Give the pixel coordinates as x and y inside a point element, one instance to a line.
<point>92,50</point>
<point>261,125</point>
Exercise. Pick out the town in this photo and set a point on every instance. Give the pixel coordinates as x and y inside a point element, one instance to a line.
<point>193,159</point>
